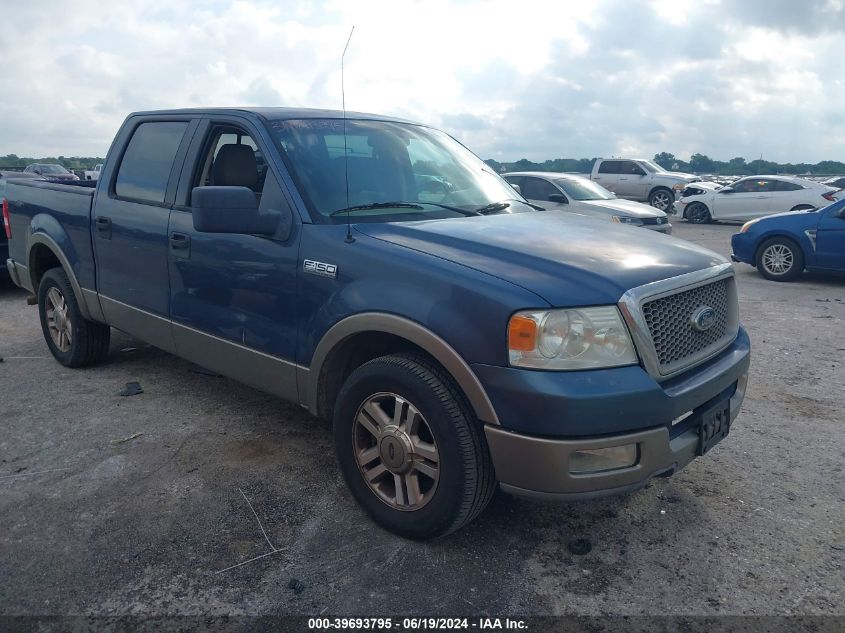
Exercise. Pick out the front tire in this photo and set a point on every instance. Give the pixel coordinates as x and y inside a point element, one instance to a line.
<point>409,448</point>
<point>780,259</point>
<point>73,340</point>
<point>661,199</point>
<point>698,213</point>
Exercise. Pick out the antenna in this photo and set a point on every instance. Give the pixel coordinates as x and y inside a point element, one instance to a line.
<point>349,237</point>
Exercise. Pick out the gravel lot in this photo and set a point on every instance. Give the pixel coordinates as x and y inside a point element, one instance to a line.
<point>141,505</point>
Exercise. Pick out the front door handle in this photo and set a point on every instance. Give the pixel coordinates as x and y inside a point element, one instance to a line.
<point>179,241</point>
<point>180,245</point>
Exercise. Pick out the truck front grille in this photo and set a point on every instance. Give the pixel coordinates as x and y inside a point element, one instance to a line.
<point>670,321</point>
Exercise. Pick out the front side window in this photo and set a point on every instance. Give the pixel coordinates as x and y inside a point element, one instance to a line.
<point>632,169</point>
<point>538,189</point>
<point>426,171</point>
<point>584,189</point>
<point>145,169</point>
<point>232,159</point>
<point>750,185</point>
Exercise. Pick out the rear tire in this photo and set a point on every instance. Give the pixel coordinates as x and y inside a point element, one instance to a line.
<point>662,199</point>
<point>780,259</point>
<point>698,213</point>
<point>73,340</point>
<point>410,449</point>
<point>803,207</point>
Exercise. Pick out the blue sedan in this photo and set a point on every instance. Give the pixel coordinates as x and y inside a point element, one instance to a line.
<point>782,246</point>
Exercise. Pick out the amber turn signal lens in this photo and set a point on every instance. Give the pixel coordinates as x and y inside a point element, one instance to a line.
<point>522,334</point>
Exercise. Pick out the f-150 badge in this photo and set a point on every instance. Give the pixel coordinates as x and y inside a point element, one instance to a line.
<point>320,268</point>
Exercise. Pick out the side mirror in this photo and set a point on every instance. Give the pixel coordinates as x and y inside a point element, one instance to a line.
<point>230,210</point>
<point>727,190</point>
<point>558,197</point>
<point>515,187</point>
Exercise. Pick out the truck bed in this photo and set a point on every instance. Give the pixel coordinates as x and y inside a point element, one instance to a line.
<point>36,205</point>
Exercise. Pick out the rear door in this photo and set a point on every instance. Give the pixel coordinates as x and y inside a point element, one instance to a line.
<point>608,174</point>
<point>747,198</point>
<point>830,238</point>
<point>233,296</point>
<point>632,181</point>
<point>131,213</point>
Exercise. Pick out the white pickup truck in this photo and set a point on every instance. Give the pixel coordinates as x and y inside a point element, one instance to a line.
<point>641,180</point>
<point>93,174</point>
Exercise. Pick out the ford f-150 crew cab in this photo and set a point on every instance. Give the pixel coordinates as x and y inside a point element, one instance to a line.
<point>382,276</point>
<point>641,180</point>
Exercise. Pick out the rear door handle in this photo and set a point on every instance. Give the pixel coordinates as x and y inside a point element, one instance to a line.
<point>181,243</point>
<point>104,227</point>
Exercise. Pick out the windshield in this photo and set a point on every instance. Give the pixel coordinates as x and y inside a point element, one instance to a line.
<point>650,166</point>
<point>430,173</point>
<point>584,189</point>
<point>53,169</point>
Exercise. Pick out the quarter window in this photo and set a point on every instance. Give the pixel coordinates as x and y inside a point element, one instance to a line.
<point>148,161</point>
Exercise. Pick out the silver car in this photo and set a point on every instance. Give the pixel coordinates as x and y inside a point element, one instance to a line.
<point>576,194</point>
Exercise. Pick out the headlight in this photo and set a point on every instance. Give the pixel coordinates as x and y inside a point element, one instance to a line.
<point>748,224</point>
<point>585,338</point>
<point>624,219</point>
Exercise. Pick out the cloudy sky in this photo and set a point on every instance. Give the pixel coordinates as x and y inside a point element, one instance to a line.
<point>510,79</point>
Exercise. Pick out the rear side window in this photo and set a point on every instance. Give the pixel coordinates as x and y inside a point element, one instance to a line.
<point>782,185</point>
<point>610,167</point>
<point>148,160</point>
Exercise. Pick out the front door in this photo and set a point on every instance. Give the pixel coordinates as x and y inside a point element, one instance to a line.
<point>632,181</point>
<point>233,296</point>
<point>746,199</point>
<point>540,192</point>
<point>130,229</point>
<point>830,239</point>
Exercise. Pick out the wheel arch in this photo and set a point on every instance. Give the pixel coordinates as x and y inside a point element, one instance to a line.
<point>781,234</point>
<point>362,337</point>
<point>44,253</point>
<point>702,203</point>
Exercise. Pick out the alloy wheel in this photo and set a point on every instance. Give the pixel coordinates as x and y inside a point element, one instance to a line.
<point>58,320</point>
<point>661,200</point>
<point>395,451</point>
<point>778,259</point>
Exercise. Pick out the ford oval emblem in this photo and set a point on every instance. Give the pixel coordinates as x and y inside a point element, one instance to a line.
<point>703,319</point>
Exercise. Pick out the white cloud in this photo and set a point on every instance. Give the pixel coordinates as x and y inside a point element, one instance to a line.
<point>532,79</point>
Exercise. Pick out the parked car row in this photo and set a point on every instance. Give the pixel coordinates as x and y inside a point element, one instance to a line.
<point>752,197</point>
<point>576,194</point>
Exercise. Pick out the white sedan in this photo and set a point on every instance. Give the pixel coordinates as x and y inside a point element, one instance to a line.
<point>576,194</point>
<point>751,197</point>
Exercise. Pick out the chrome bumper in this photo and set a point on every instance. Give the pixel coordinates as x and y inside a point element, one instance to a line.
<point>539,467</point>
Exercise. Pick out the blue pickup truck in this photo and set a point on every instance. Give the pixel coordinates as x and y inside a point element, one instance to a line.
<point>382,276</point>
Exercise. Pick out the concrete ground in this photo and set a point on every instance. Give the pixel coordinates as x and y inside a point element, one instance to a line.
<point>146,505</point>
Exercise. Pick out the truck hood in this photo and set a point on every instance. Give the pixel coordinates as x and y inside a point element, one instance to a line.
<point>567,259</point>
<point>678,175</point>
<point>624,207</point>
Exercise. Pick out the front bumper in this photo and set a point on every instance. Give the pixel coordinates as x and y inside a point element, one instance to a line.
<point>546,416</point>
<point>660,228</point>
<point>539,467</point>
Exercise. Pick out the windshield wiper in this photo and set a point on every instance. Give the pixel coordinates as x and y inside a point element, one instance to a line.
<point>377,205</point>
<point>493,207</point>
<point>402,205</point>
